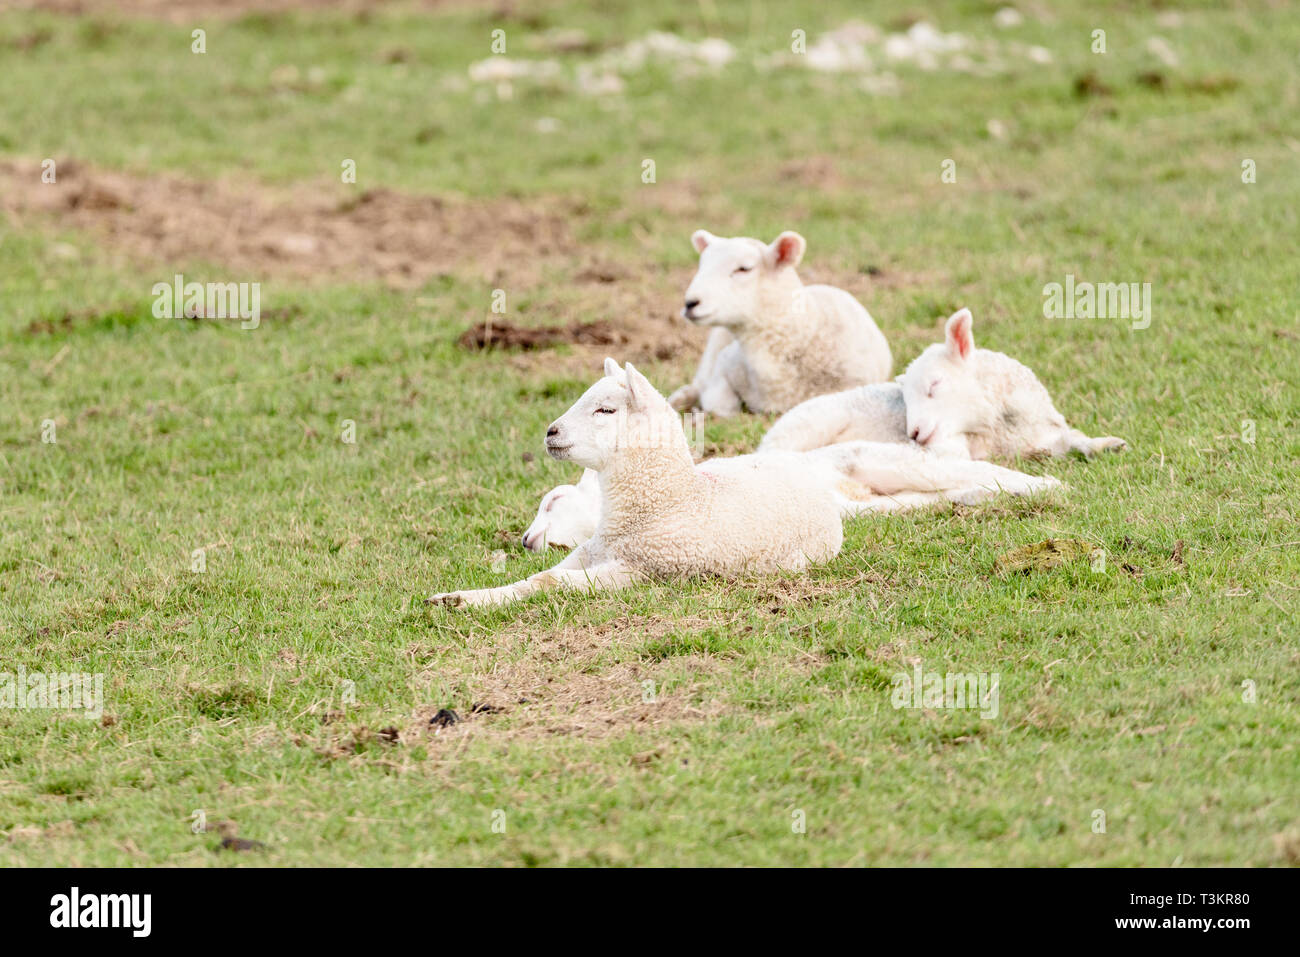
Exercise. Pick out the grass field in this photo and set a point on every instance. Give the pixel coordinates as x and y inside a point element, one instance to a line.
<point>180,511</point>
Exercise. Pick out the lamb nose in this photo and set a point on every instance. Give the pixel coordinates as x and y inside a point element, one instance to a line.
<point>916,433</point>
<point>692,303</point>
<point>553,431</point>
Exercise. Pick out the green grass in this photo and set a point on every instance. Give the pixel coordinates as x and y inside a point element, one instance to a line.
<point>1121,689</point>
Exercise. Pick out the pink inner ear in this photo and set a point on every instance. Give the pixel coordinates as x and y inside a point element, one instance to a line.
<point>960,338</point>
<point>786,248</point>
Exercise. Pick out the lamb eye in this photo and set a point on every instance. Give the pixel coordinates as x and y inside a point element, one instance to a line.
<point>603,411</point>
<point>743,269</point>
<point>933,385</point>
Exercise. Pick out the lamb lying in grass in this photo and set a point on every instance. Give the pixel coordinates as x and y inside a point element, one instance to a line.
<point>953,399</point>
<point>567,516</point>
<point>661,516</point>
<point>775,342</point>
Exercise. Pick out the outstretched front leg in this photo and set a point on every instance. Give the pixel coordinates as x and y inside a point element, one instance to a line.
<point>1059,440</point>
<point>691,396</point>
<point>578,572</point>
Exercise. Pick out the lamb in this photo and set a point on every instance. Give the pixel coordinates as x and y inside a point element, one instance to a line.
<point>567,515</point>
<point>661,516</point>
<point>953,399</point>
<point>774,341</point>
<point>963,400</point>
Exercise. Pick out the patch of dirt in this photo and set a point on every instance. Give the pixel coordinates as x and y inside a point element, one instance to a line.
<point>643,327</point>
<point>1213,85</point>
<point>507,335</point>
<point>34,833</point>
<point>1286,845</point>
<point>1153,79</point>
<point>253,232</point>
<point>240,844</point>
<point>307,234</point>
<point>553,683</point>
<point>341,743</point>
<point>30,41</point>
<point>645,306</point>
<point>601,272</point>
<point>1090,84</point>
<point>1041,556</point>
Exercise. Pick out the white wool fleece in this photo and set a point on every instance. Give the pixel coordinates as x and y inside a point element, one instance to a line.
<point>775,341</point>
<point>663,517</point>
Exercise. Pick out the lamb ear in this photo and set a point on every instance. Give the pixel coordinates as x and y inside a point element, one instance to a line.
<point>787,249</point>
<point>701,238</point>
<point>957,333</point>
<point>642,393</point>
<point>611,368</point>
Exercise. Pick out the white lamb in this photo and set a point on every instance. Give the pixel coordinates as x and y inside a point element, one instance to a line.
<point>953,399</point>
<point>775,341</point>
<point>662,516</point>
<point>567,516</point>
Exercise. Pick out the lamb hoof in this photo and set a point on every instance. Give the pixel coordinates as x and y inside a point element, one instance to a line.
<point>1109,443</point>
<point>448,599</point>
<point>970,496</point>
<point>684,399</point>
<point>1034,485</point>
<point>1106,443</point>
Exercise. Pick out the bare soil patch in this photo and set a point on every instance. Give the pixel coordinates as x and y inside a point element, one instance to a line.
<point>172,224</point>
<point>527,683</point>
<point>507,335</point>
<point>306,234</point>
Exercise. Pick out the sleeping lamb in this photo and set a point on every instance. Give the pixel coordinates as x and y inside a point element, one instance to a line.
<point>954,399</point>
